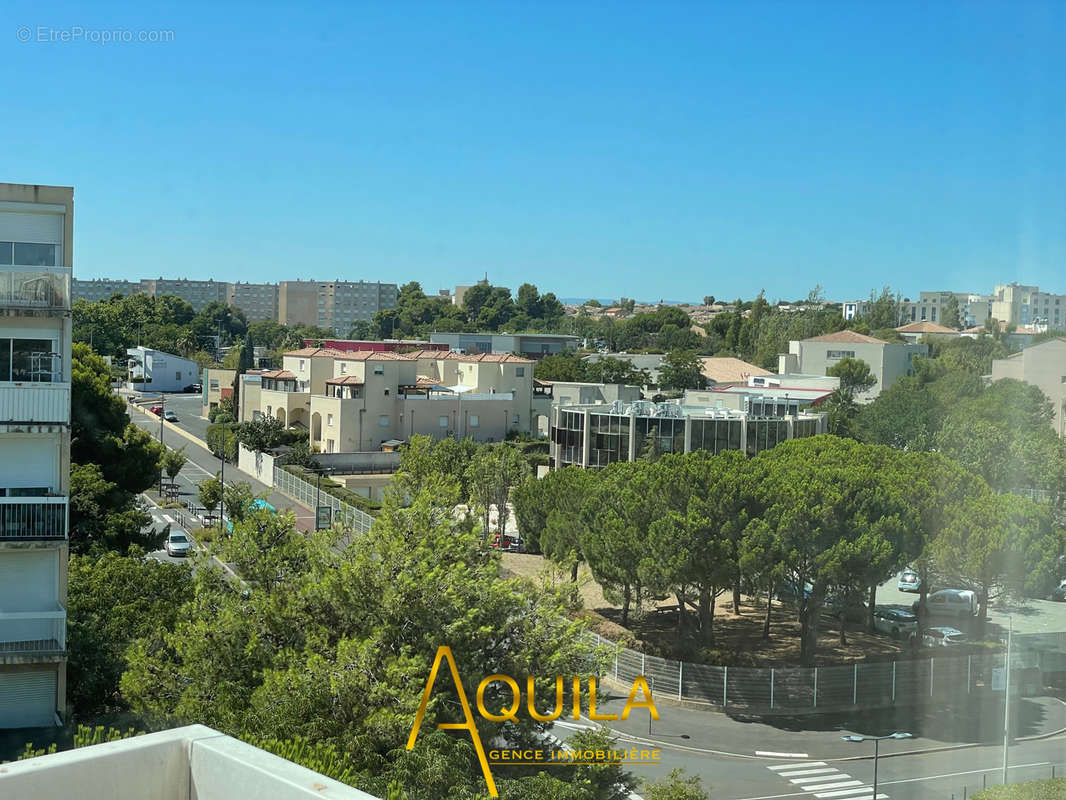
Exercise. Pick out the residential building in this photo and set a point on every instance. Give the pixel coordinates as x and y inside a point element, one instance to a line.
<point>853,309</point>
<point>888,361</point>
<point>102,288</point>
<point>196,293</point>
<point>974,309</point>
<point>1044,366</point>
<point>1026,305</point>
<point>638,361</point>
<point>250,396</point>
<point>460,291</point>
<point>358,401</point>
<point>334,305</point>
<point>598,435</point>
<point>567,393</point>
<point>190,762</point>
<point>529,345</point>
<point>217,385</point>
<point>36,260</point>
<point>392,345</point>
<point>258,301</point>
<point>155,371</point>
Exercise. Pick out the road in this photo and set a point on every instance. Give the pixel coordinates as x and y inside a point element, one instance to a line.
<point>202,464</point>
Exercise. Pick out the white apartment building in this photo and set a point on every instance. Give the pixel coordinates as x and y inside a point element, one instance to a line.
<point>36,257</point>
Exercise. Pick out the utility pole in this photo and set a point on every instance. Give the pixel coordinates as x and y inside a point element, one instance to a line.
<point>162,411</point>
<point>1006,698</point>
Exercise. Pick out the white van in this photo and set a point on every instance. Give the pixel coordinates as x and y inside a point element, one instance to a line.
<point>957,604</point>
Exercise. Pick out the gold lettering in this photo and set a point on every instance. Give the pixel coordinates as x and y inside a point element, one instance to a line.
<point>531,707</point>
<point>505,714</point>
<point>649,704</point>
<point>592,704</point>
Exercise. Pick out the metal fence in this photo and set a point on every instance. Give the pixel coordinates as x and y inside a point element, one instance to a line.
<point>306,494</point>
<point>941,678</point>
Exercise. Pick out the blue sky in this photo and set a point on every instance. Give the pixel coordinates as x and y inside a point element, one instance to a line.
<point>655,150</point>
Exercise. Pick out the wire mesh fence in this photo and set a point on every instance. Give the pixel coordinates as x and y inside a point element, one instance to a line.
<point>938,678</point>
<point>307,494</point>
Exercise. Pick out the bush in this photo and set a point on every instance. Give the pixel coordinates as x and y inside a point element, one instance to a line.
<point>1052,789</point>
<point>219,433</point>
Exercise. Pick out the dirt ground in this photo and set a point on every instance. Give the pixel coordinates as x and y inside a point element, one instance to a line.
<point>738,637</point>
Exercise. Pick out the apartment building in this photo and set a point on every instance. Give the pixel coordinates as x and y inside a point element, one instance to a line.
<point>1027,305</point>
<point>974,309</point>
<point>1044,366</point>
<point>102,288</point>
<point>258,301</point>
<point>334,305</point>
<point>358,401</point>
<point>196,293</point>
<point>888,361</point>
<point>36,258</point>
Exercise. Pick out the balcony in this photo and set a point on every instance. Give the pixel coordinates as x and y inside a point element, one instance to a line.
<point>28,518</point>
<point>45,288</point>
<point>43,403</point>
<point>194,761</point>
<point>32,633</point>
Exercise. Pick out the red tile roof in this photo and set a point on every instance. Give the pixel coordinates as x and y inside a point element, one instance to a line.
<point>314,352</point>
<point>372,355</point>
<point>351,380</point>
<point>850,337</point>
<point>925,326</point>
<point>283,374</point>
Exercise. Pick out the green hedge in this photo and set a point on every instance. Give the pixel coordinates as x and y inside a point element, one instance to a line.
<point>1029,790</point>
<point>215,436</point>
<point>334,489</point>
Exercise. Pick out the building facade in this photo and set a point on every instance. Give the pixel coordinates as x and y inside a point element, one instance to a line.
<point>1044,366</point>
<point>1027,305</point>
<point>258,301</point>
<point>36,259</point>
<point>102,288</point>
<point>333,305</point>
<point>528,345</point>
<point>597,435</point>
<point>888,361</point>
<point>196,293</point>
<point>155,371</point>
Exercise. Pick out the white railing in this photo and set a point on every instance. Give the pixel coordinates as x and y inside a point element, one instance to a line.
<point>306,494</point>
<point>38,403</point>
<point>35,287</point>
<point>33,631</point>
<point>33,517</point>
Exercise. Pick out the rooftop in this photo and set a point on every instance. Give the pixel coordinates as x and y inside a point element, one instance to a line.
<point>726,369</point>
<point>925,327</point>
<point>194,761</point>
<point>850,337</point>
<point>325,352</point>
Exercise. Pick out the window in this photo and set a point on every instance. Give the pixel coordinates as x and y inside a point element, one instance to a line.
<point>344,368</point>
<point>329,445</point>
<point>444,422</point>
<point>301,365</point>
<point>177,375</point>
<point>474,420</point>
<point>514,420</point>
<point>933,317</point>
<point>379,369</point>
<point>519,372</point>
<point>329,419</point>
<point>386,392</point>
<point>26,360</point>
<point>383,420</point>
<point>840,354</point>
<point>33,255</point>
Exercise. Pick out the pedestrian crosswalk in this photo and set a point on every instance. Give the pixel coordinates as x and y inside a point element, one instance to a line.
<point>824,781</point>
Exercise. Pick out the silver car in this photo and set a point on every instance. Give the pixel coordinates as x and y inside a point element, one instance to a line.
<point>896,622</point>
<point>178,544</point>
<point>943,637</point>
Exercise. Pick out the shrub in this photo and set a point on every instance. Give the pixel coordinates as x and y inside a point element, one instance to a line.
<point>219,436</point>
<point>1052,789</point>
<point>335,489</point>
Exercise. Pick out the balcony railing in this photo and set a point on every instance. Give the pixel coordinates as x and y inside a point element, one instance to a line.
<point>27,287</point>
<point>32,402</point>
<point>33,631</point>
<point>24,518</point>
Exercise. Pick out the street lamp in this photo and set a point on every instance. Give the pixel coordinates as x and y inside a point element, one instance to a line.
<point>876,740</point>
<point>162,411</point>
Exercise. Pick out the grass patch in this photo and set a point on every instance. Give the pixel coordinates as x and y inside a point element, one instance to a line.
<point>1050,789</point>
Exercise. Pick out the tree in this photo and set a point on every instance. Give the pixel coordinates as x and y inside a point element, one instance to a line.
<point>493,472</point>
<point>113,600</point>
<point>261,434</point>
<point>360,330</point>
<point>222,441</point>
<point>855,376</point>
<point>681,369</point>
<point>883,310</point>
<point>245,361</point>
<point>950,316</point>
<point>676,786</point>
<point>708,300</point>
<point>103,516</point>
<point>173,461</point>
<point>210,493</point>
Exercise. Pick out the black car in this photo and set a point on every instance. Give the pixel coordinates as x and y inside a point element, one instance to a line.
<point>193,388</point>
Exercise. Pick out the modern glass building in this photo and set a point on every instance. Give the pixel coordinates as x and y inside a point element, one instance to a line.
<point>598,435</point>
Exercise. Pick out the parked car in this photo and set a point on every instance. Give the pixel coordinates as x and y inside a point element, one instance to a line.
<point>943,637</point>
<point>193,388</point>
<point>909,581</point>
<point>1059,592</point>
<point>157,410</point>
<point>170,416</point>
<point>178,544</point>
<point>959,604</point>
<point>896,622</point>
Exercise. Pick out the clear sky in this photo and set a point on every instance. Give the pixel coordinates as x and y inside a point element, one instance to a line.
<point>654,150</point>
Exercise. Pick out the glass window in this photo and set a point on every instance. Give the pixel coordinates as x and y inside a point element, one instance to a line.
<point>379,369</point>
<point>444,422</point>
<point>30,359</point>
<point>5,253</point>
<point>520,372</point>
<point>329,419</point>
<point>474,421</point>
<point>35,255</point>
<point>383,420</point>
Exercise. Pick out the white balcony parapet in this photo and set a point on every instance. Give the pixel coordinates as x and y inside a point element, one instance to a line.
<point>35,287</point>
<point>194,761</point>
<point>34,403</point>
<point>33,631</point>
<point>24,518</point>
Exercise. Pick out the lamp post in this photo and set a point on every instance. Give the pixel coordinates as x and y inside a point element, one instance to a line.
<point>876,740</point>
<point>1006,696</point>
<point>162,411</point>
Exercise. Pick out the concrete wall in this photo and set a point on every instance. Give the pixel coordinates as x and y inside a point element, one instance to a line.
<point>258,465</point>
<point>888,362</point>
<point>1043,366</point>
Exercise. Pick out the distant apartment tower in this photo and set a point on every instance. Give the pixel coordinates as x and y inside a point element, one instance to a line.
<point>196,293</point>
<point>102,288</point>
<point>36,257</point>
<point>1027,305</point>
<point>333,305</point>
<point>258,301</point>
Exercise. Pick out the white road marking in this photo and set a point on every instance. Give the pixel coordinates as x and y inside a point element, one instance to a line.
<point>780,755</point>
<point>794,766</point>
<point>846,792</point>
<point>794,773</point>
<point>834,775</point>
<point>837,785</point>
<point>168,518</point>
<point>868,796</point>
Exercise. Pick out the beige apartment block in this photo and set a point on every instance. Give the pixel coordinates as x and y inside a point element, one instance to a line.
<point>258,301</point>
<point>1044,366</point>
